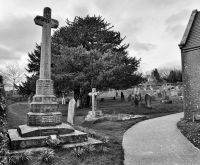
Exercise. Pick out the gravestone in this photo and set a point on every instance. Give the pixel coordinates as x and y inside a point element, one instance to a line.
<point>129,98</point>
<point>147,99</point>
<point>78,103</point>
<point>159,94</point>
<point>95,113</point>
<point>63,99</point>
<point>44,118</point>
<point>164,94</point>
<point>71,111</point>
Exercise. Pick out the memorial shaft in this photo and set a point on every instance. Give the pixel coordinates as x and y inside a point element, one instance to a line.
<point>44,107</point>
<point>45,61</point>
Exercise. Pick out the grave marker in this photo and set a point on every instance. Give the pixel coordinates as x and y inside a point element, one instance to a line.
<point>148,100</point>
<point>95,113</point>
<point>71,111</point>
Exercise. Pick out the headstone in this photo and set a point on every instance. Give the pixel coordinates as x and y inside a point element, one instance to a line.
<point>95,113</point>
<point>63,99</point>
<point>71,111</point>
<point>174,92</point>
<point>78,103</point>
<point>129,98</point>
<point>122,96</point>
<point>134,91</point>
<point>159,94</point>
<point>136,100</point>
<point>116,93</point>
<point>148,101</point>
<point>164,94</point>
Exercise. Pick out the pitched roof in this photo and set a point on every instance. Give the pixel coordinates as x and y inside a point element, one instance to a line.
<point>188,28</point>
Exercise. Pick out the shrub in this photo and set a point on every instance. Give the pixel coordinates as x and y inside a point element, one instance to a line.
<point>47,156</point>
<point>53,142</point>
<point>103,149</point>
<point>13,159</point>
<point>25,156</point>
<point>78,152</point>
<point>89,148</point>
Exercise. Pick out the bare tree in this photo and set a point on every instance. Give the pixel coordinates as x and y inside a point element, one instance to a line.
<point>12,75</point>
<point>164,72</point>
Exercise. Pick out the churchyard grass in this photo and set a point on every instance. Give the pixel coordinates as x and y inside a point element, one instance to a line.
<point>110,154</point>
<point>191,130</point>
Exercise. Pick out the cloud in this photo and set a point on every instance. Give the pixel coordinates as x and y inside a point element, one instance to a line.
<point>18,37</point>
<point>176,30</point>
<point>19,33</point>
<point>7,53</point>
<point>176,23</point>
<point>141,46</point>
<point>178,17</point>
<point>131,26</point>
<point>162,3</point>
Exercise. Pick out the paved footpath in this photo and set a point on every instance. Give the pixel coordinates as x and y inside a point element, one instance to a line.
<point>159,142</point>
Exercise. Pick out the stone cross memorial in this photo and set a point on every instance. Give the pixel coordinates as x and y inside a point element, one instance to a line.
<point>44,117</point>
<point>43,110</point>
<point>94,98</point>
<point>95,113</point>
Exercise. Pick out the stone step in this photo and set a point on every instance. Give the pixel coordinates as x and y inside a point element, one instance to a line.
<point>90,141</point>
<point>18,142</point>
<point>29,131</point>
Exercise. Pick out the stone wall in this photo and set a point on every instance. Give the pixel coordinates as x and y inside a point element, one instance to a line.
<point>191,82</point>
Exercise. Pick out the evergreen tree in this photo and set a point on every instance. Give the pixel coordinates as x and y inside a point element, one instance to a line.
<point>87,53</point>
<point>80,70</point>
<point>90,32</point>
<point>174,76</point>
<point>155,74</point>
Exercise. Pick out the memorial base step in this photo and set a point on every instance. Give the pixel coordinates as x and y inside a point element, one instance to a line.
<point>94,115</point>
<point>17,142</point>
<point>90,141</point>
<point>29,131</point>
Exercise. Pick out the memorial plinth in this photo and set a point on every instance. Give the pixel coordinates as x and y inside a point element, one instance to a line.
<point>44,118</point>
<point>44,107</point>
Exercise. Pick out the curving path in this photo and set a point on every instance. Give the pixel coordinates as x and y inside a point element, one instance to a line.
<point>159,142</point>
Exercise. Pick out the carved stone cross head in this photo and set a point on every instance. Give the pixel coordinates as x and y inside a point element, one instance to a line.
<point>46,19</point>
<point>93,93</point>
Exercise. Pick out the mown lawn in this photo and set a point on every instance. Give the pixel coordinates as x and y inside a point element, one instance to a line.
<point>112,129</point>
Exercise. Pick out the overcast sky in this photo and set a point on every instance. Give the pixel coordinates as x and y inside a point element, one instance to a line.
<point>153,28</point>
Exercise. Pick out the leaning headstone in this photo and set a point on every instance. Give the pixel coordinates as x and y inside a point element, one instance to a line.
<point>147,99</point>
<point>71,111</point>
